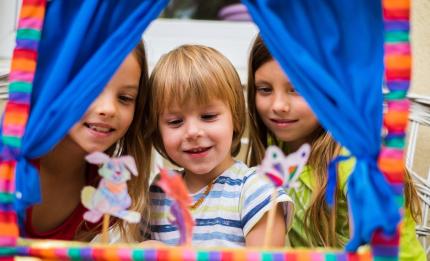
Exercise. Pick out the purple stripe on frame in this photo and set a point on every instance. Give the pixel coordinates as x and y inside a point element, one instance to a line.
<point>86,254</point>
<point>341,257</point>
<point>398,133</point>
<point>6,207</point>
<point>277,257</point>
<point>150,254</point>
<point>397,187</point>
<point>385,251</point>
<point>8,153</point>
<point>396,25</point>
<point>395,135</point>
<point>27,44</point>
<point>19,97</point>
<point>398,85</point>
<point>22,251</point>
<point>214,255</point>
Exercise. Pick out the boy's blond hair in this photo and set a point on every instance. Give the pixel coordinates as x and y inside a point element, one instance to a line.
<point>199,74</point>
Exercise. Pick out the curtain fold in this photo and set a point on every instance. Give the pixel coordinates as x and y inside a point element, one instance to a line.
<point>82,44</point>
<point>332,51</point>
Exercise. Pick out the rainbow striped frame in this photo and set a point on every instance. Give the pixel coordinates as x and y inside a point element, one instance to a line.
<point>17,110</point>
<point>397,74</point>
<point>397,77</point>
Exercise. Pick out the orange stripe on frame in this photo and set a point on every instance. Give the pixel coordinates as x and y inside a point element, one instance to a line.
<point>396,4</point>
<point>398,61</point>
<point>25,65</point>
<point>6,171</point>
<point>33,11</point>
<point>396,118</point>
<point>15,118</point>
<point>8,229</point>
<point>392,169</point>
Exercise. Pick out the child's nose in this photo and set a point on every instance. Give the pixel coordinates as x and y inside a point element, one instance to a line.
<point>105,106</point>
<point>193,131</point>
<point>281,103</point>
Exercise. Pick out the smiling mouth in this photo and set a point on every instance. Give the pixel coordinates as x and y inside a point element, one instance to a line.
<point>197,151</point>
<point>280,121</point>
<point>99,128</point>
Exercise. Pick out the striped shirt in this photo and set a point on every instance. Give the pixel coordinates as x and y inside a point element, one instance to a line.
<point>237,201</point>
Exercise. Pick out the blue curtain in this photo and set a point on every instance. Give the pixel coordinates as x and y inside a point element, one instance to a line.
<point>83,43</point>
<point>332,51</point>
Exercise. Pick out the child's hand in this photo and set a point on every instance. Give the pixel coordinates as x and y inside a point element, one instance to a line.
<point>152,243</point>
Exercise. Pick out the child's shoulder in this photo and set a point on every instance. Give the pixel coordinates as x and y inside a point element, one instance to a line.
<point>238,173</point>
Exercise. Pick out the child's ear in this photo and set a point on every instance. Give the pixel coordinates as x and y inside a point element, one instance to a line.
<point>129,163</point>
<point>97,158</point>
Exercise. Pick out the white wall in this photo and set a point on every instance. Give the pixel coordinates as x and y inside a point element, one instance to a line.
<point>8,23</point>
<point>233,39</point>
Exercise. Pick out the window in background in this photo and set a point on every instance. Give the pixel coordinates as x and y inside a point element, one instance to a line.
<point>231,10</point>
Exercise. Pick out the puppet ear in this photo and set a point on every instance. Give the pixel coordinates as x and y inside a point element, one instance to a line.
<point>97,158</point>
<point>129,163</point>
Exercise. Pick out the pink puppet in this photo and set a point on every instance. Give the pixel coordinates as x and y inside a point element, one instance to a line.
<point>173,185</point>
<point>111,196</point>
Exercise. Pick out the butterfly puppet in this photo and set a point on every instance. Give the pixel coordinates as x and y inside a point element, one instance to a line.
<point>283,170</point>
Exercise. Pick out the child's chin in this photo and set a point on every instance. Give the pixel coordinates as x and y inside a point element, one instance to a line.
<point>199,171</point>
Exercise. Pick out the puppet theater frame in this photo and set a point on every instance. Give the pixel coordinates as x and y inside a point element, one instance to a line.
<point>67,50</point>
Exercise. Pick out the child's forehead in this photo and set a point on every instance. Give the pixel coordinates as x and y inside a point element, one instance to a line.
<point>193,105</point>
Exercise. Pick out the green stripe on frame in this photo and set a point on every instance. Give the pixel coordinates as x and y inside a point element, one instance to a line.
<point>12,141</point>
<point>28,34</point>
<point>395,95</point>
<point>20,87</point>
<point>6,197</point>
<point>396,36</point>
<point>398,143</point>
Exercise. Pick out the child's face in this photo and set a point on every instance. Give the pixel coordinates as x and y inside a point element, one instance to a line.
<point>109,116</point>
<point>282,110</point>
<point>198,137</point>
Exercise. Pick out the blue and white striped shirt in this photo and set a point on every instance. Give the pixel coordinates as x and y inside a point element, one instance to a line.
<point>237,201</point>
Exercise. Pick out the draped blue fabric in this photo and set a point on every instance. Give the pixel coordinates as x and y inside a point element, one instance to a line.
<point>332,51</point>
<point>83,43</point>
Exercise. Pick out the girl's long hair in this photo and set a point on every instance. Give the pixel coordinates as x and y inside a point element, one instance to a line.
<point>133,144</point>
<point>324,150</point>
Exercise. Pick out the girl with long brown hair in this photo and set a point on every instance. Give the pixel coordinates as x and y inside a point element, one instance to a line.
<point>278,115</point>
<point>113,123</point>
